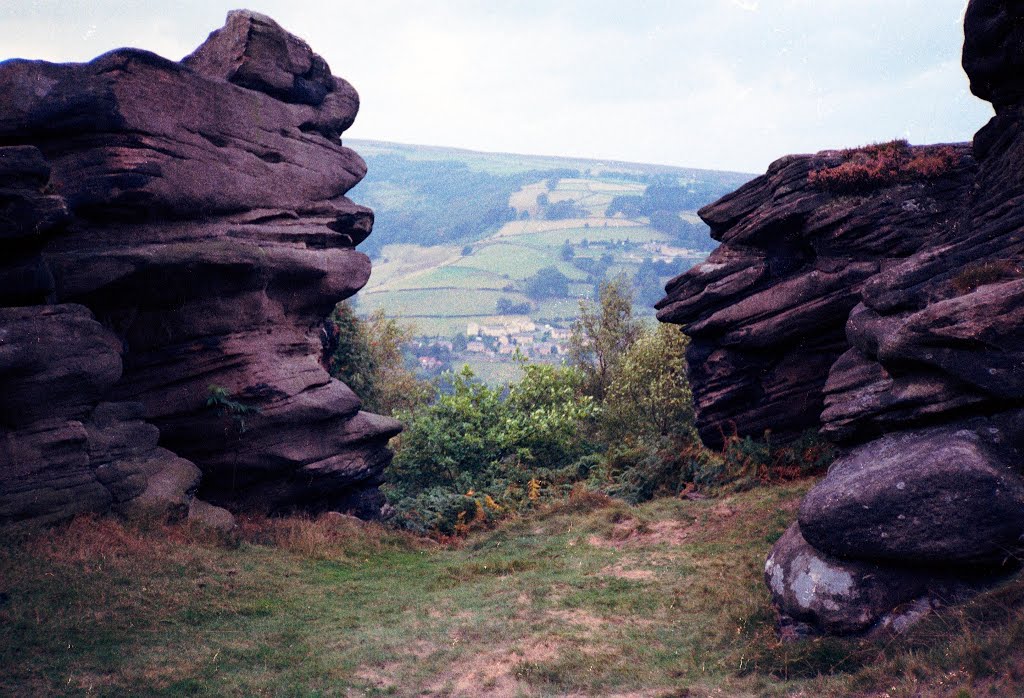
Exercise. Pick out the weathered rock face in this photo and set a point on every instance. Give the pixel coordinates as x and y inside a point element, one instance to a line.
<point>198,210</point>
<point>766,312</point>
<point>908,351</point>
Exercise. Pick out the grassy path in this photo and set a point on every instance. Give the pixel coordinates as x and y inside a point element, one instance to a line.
<point>591,598</point>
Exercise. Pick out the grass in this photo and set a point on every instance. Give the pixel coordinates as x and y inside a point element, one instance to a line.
<point>511,260</point>
<point>978,274</point>
<point>400,261</point>
<point>589,597</point>
<point>452,276</point>
<point>420,303</point>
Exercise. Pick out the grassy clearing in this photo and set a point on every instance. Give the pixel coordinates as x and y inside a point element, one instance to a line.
<point>588,598</point>
<point>511,260</point>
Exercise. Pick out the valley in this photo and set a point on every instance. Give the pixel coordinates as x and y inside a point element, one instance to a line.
<point>488,253</point>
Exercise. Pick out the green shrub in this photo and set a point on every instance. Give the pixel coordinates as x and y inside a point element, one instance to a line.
<point>367,356</point>
<point>745,462</point>
<point>478,453</point>
<point>226,406</point>
<point>649,394</point>
<point>642,469</point>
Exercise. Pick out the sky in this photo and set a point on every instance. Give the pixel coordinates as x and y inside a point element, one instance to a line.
<point>717,84</point>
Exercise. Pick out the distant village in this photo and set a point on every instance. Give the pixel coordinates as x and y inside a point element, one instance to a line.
<point>495,341</point>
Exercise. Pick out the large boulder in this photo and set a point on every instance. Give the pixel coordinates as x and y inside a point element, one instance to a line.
<point>766,311</point>
<point>940,495</point>
<point>841,596</point>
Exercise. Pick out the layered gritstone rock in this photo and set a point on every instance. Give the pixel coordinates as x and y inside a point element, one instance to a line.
<point>889,316</point>
<point>767,311</point>
<point>198,210</point>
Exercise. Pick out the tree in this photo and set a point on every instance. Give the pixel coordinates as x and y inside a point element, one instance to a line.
<point>562,210</point>
<point>649,395</point>
<point>567,252</point>
<point>602,334</point>
<point>507,306</point>
<point>648,288</point>
<point>547,283</point>
<point>367,356</point>
<point>475,451</point>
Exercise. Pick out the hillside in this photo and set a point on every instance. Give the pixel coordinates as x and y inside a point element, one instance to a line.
<point>466,237</point>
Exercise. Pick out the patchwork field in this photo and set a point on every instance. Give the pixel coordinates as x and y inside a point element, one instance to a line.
<point>414,282</point>
<point>464,237</point>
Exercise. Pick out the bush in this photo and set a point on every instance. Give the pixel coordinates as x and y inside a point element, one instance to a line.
<point>883,164</point>
<point>645,468</point>
<point>367,355</point>
<point>478,453</point>
<point>745,462</point>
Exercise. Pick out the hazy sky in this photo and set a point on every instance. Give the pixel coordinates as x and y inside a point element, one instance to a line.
<point>724,84</point>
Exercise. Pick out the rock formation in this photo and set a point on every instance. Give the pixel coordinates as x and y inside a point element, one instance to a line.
<point>877,295</point>
<point>173,236</point>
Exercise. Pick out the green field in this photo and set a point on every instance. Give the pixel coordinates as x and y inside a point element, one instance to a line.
<point>509,260</point>
<point>452,276</point>
<point>418,303</point>
<point>465,200</point>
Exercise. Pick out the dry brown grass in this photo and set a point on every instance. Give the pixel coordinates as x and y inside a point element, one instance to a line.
<point>979,274</point>
<point>884,164</point>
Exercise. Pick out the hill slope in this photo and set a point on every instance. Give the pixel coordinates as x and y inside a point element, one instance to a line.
<point>461,236</point>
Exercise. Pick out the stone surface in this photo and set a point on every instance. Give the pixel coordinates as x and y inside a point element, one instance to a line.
<point>171,484</point>
<point>55,361</point>
<point>833,595</point>
<point>189,221</point>
<point>766,311</point>
<point>993,57</point>
<point>253,51</point>
<point>136,136</point>
<point>29,215</point>
<point>217,518</point>
<point>940,495</point>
